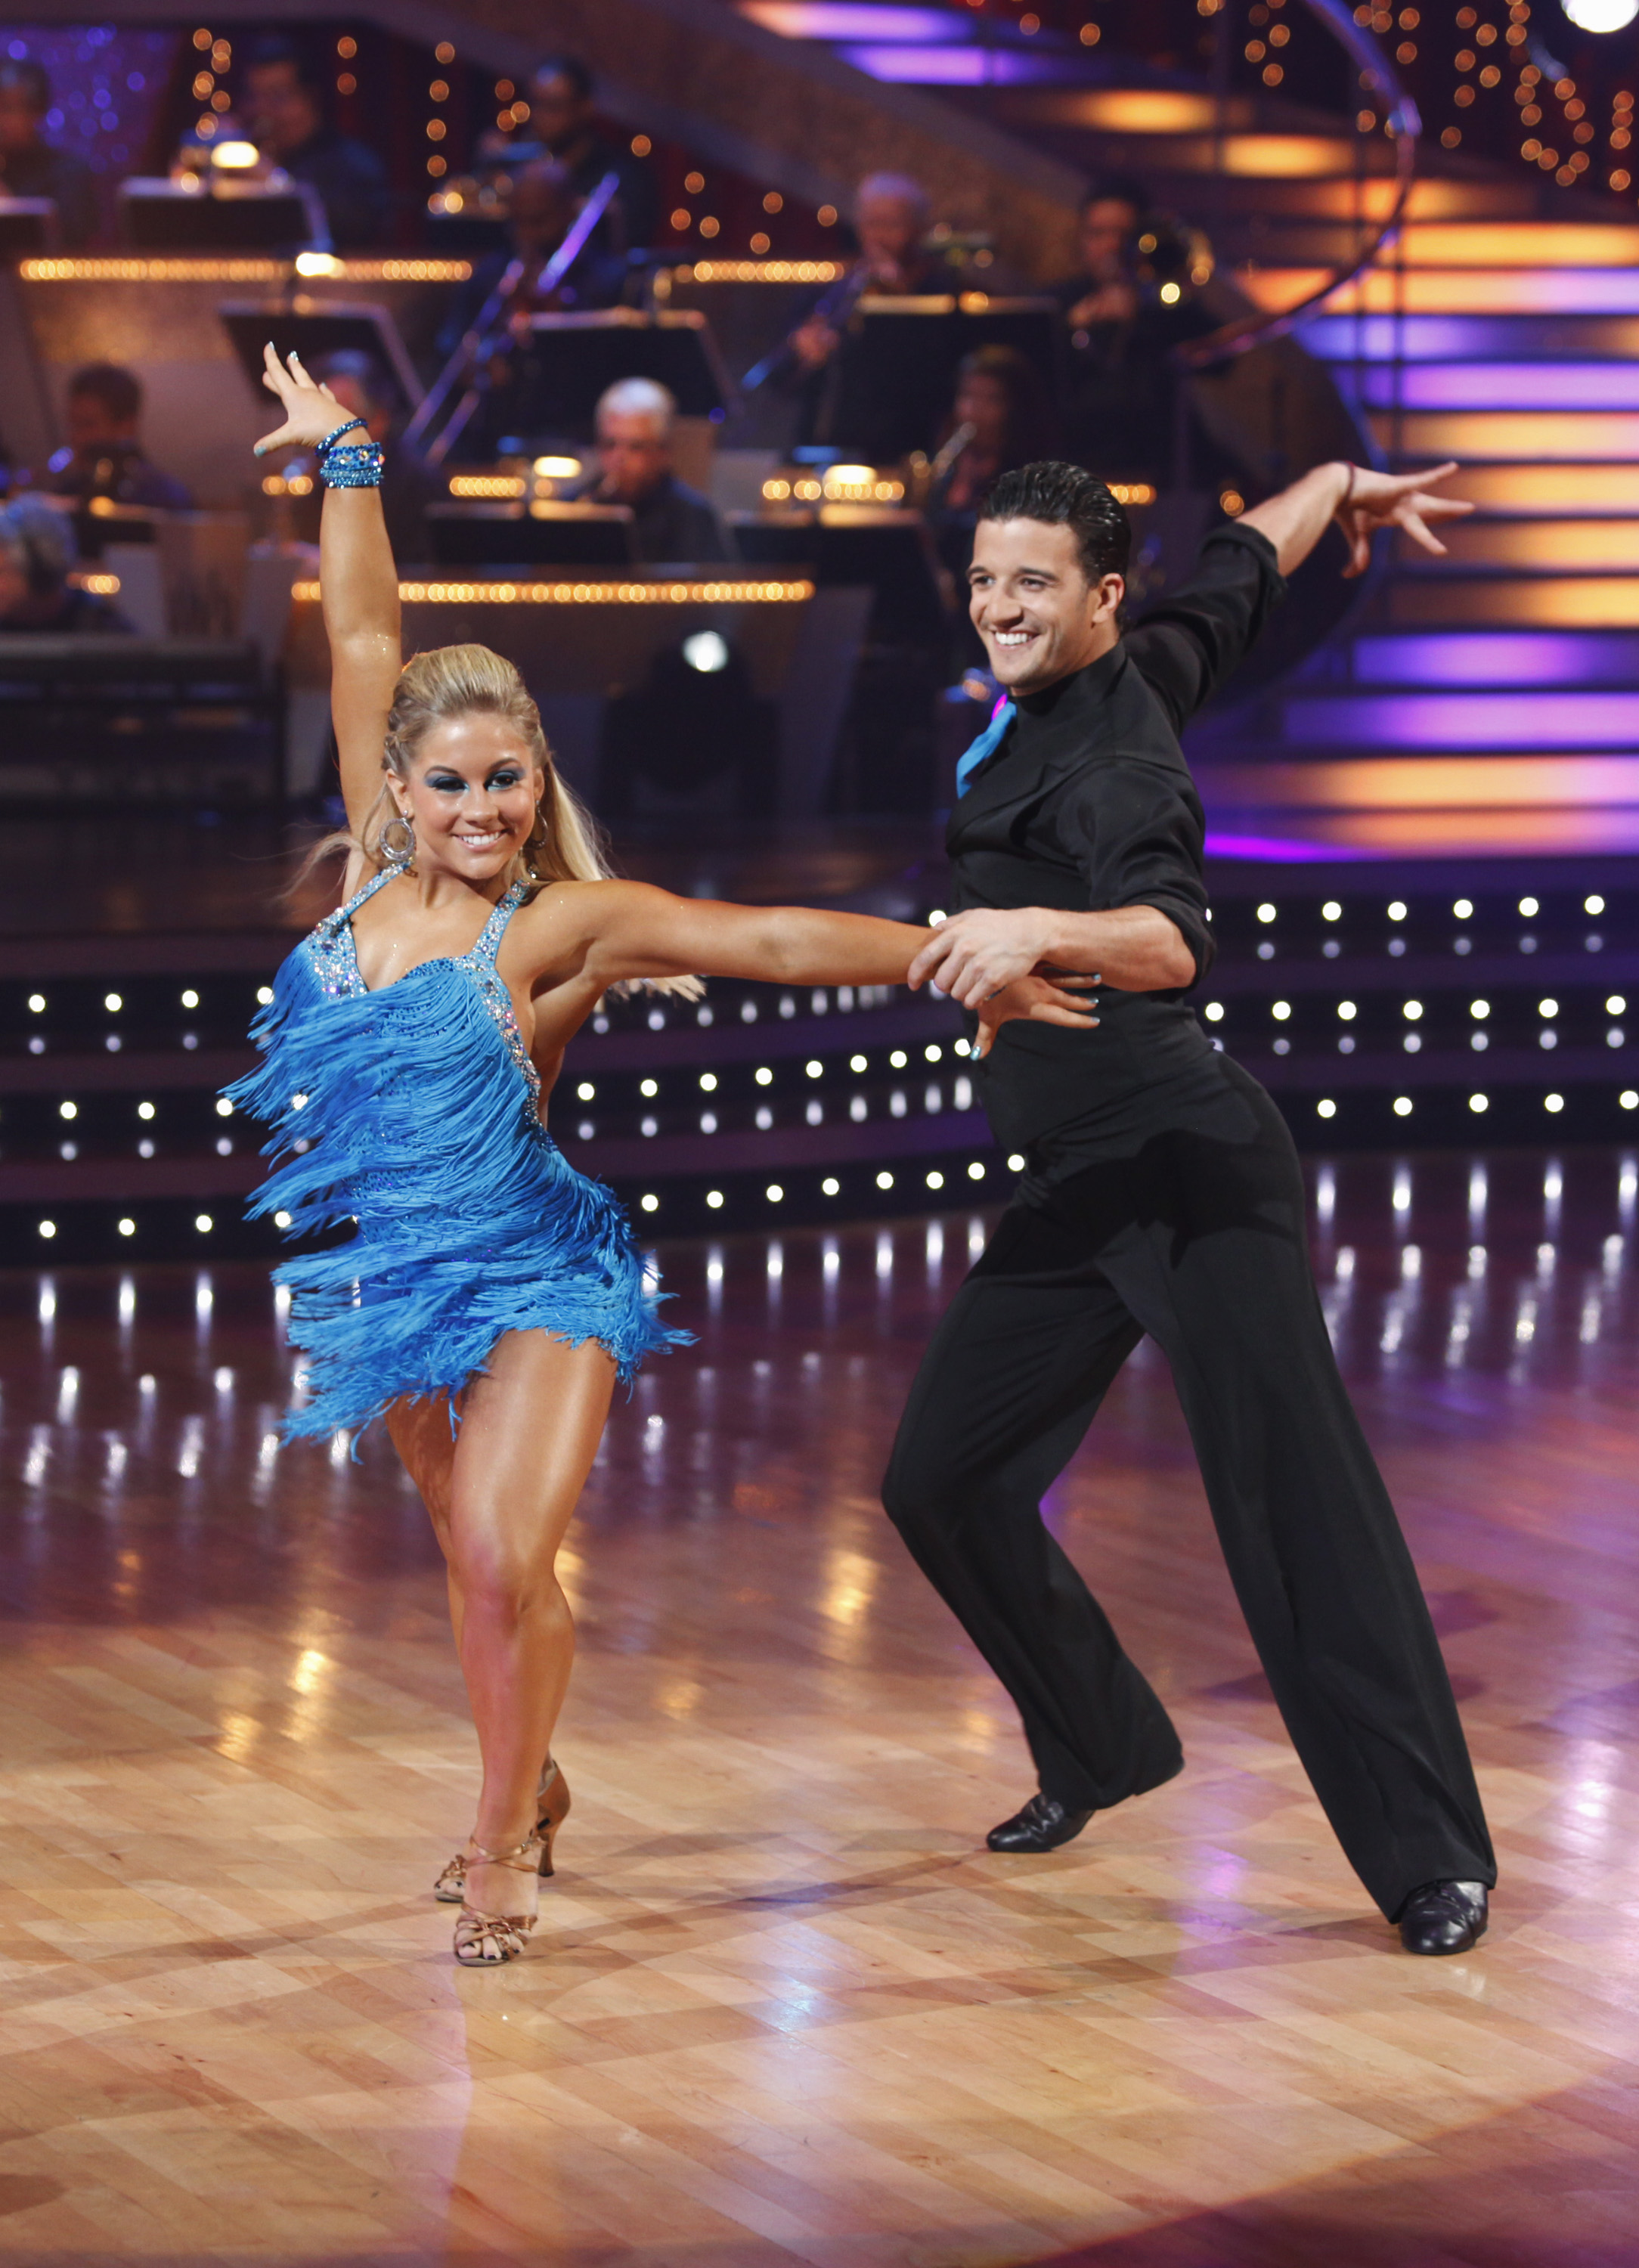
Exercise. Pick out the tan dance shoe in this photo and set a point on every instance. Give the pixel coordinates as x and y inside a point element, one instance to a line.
<point>483,1941</point>
<point>552,1802</point>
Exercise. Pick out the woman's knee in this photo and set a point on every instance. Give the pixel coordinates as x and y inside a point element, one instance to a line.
<point>506,1586</point>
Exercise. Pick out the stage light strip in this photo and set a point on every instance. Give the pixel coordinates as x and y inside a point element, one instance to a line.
<point>205,269</point>
<point>758,271</point>
<point>588,594</point>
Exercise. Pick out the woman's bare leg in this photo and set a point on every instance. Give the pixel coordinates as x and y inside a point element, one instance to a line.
<point>501,1499</point>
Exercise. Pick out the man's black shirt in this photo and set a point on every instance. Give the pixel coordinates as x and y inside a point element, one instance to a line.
<point>1087,804</point>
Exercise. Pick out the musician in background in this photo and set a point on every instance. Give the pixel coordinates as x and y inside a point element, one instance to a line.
<point>104,455</point>
<point>1121,333</point>
<point>891,216</point>
<point>37,556</point>
<point>635,421</point>
<point>364,390</point>
<point>1002,416</point>
<point>563,126</point>
<point>31,166</point>
<point>544,207</point>
<point>283,105</point>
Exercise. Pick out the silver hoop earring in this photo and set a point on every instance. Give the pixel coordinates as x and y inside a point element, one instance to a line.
<point>540,835</point>
<point>400,852</point>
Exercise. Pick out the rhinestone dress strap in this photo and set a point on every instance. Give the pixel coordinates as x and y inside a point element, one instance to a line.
<point>330,945</point>
<point>480,966</point>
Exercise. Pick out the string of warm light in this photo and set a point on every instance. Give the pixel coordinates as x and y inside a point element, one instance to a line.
<point>496,594</point>
<point>191,270</point>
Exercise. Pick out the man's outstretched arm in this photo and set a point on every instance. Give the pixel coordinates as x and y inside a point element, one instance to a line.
<point>1360,501</point>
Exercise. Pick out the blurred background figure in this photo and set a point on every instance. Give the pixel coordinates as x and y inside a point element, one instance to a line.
<point>282,103</point>
<point>562,125</point>
<point>1000,418</point>
<point>634,421</point>
<point>365,390</point>
<point>891,216</point>
<point>1122,331</point>
<point>104,454</point>
<point>37,557</point>
<point>543,210</point>
<point>31,166</point>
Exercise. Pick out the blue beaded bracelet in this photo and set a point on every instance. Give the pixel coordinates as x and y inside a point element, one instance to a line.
<point>323,449</point>
<point>360,466</point>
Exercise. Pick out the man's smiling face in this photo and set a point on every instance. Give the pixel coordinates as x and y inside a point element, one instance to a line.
<point>1032,603</point>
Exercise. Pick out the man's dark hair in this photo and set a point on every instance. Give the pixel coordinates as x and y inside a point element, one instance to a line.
<point>1066,496</point>
<point>22,71</point>
<point>570,67</point>
<point>119,392</point>
<point>268,53</point>
<point>1117,188</point>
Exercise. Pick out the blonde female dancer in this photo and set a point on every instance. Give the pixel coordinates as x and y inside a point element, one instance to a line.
<point>490,1296</point>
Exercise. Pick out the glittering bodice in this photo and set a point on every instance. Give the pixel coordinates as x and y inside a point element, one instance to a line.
<point>334,952</point>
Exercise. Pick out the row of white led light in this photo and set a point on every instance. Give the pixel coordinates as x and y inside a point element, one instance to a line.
<point>114,1002</point>
<point>1413,1010</point>
<point>775,1192</point>
<point>707,1080</point>
<point>1398,909</point>
<point>1403,1106</point>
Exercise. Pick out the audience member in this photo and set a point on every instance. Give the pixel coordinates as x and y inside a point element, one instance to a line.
<point>283,105</point>
<point>635,419</point>
<point>104,454</point>
<point>31,166</point>
<point>1122,381</point>
<point>37,556</point>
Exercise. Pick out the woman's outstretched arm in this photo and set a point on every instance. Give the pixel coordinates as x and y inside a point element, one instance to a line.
<point>631,930</point>
<point>359,585</point>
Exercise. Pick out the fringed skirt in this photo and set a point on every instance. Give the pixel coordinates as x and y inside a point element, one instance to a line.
<point>404,1311</point>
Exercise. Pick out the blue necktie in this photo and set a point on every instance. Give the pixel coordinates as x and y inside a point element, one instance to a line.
<point>968,762</point>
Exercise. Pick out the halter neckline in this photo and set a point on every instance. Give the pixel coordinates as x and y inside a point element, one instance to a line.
<point>337,928</point>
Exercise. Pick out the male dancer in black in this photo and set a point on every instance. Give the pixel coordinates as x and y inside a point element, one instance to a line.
<point>1162,1194</point>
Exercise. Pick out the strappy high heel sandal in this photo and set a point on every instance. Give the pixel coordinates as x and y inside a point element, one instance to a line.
<point>484,1940</point>
<point>552,1802</point>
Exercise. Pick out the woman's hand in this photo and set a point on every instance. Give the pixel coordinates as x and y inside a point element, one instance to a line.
<point>1066,1000</point>
<point>1376,500</point>
<point>311,412</point>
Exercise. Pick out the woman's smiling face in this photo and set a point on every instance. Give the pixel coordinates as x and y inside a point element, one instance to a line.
<point>471,795</point>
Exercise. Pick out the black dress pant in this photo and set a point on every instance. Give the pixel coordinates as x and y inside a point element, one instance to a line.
<point>1200,1243</point>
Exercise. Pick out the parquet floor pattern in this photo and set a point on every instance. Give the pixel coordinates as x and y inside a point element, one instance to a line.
<point>782,2007</point>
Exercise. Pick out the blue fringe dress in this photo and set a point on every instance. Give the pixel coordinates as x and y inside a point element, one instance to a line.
<point>413,1112</point>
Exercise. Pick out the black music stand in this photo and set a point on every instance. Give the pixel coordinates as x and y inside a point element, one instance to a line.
<point>158,215</point>
<point>537,535</point>
<point>856,544</point>
<point>563,363</point>
<point>897,363</point>
<point>28,227</point>
<point>317,327</point>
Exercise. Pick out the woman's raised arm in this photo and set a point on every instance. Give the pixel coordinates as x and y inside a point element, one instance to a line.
<point>359,584</point>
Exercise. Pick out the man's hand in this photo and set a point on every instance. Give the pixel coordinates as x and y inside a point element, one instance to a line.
<point>977,953</point>
<point>1376,500</point>
<point>1037,999</point>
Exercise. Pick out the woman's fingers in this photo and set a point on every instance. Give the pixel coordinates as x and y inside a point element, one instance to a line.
<point>278,440</point>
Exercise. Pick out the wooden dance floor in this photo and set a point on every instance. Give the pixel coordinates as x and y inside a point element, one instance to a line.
<point>783,2007</point>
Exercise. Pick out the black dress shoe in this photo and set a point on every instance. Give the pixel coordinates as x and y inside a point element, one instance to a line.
<point>1042,1825</point>
<point>1444,1918</point>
